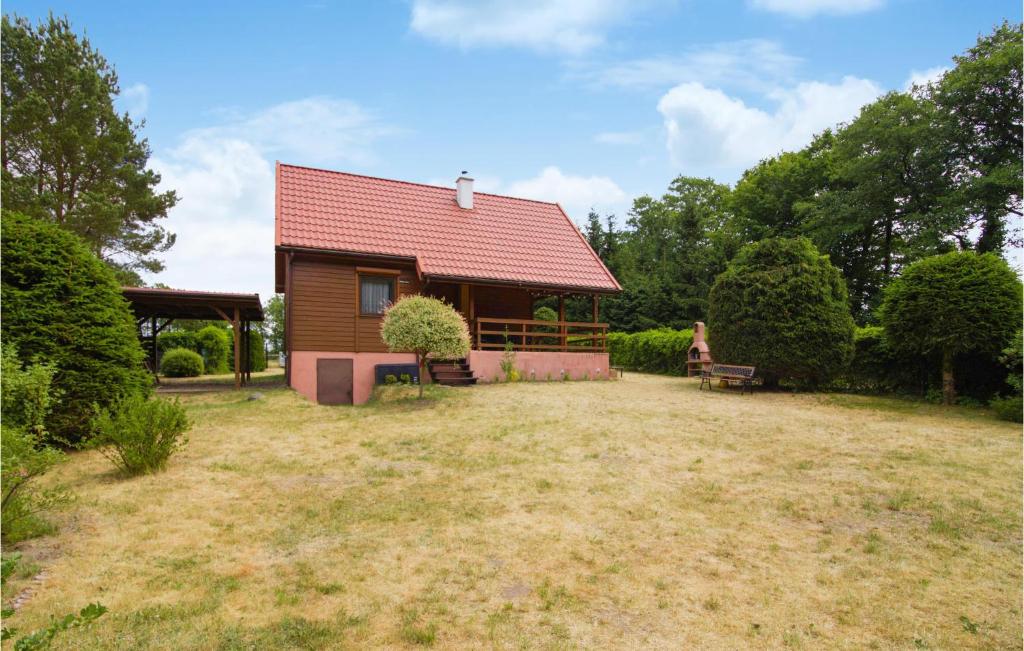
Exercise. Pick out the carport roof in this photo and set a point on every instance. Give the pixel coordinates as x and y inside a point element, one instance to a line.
<point>161,303</point>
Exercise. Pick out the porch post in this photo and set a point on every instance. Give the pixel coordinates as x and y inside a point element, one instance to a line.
<point>562,330</point>
<point>595,335</point>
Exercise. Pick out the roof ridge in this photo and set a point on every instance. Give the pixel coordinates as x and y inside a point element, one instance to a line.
<point>416,183</point>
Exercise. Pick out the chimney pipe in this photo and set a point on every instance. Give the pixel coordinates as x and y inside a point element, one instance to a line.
<point>464,191</point>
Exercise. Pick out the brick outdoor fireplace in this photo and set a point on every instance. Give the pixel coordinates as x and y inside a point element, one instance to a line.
<point>698,358</point>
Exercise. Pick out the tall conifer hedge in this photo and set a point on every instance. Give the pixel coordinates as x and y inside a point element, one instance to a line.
<point>63,306</point>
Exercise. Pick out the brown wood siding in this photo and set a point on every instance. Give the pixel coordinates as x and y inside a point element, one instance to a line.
<point>324,309</point>
<point>502,302</point>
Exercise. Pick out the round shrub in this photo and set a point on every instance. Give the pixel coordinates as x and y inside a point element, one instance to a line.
<point>952,304</point>
<point>62,306</point>
<point>781,306</point>
<point>213,343</point>
<point>427,327</point>
<point>181,362</point>
<point>545,313</point>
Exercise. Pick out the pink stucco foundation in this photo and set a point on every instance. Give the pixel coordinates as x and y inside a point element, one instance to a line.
<point>304,370</point>
<point>486,365</point>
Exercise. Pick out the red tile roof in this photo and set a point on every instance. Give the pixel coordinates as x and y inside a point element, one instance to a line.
<point>501,239</point>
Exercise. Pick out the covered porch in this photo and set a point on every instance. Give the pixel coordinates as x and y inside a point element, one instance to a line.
<point>499,315</point>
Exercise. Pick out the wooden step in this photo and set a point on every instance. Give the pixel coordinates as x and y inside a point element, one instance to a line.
<point>456,382</point>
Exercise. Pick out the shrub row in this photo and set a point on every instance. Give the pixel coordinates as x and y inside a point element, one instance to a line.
<point>875,368</point>
<point>215,344</point>
<point>652,351</point>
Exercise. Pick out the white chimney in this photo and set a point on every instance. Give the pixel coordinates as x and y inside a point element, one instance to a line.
<point>464,191</point>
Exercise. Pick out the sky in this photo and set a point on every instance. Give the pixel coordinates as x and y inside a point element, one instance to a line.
<point>587,103</point>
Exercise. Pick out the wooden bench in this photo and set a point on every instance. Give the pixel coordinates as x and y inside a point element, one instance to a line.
<point>744,375</point>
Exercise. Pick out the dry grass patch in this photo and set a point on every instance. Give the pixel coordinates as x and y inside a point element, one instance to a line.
<point>626,514</point>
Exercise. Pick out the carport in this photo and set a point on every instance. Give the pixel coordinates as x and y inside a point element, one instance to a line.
<point>157,308</point>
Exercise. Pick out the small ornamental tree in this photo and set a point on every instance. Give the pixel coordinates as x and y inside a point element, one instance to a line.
<point>952,304</point>
<point>781,306</point>
<point>427,327</point>
<point>62,306</point>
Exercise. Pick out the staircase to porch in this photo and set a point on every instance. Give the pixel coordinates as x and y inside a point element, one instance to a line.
<point>454,373</point>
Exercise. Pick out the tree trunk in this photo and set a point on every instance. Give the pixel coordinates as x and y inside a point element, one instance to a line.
<point>422,360</point>
<point>948,386</point>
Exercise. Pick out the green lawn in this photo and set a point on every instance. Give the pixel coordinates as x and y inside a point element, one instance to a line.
<point>636,513</point>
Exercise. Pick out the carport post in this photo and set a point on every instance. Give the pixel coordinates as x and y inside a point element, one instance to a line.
<point>238,346</point>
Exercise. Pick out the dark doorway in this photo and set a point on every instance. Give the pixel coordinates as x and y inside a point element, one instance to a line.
<point>334,381</point>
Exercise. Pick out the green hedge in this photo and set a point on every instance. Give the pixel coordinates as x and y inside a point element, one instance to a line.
<point>177,339</point>
<point>876,368</point>
<point>257,353</point>
<point>652,351</point>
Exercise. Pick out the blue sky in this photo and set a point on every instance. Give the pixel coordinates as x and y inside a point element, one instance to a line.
<point>586,103</point>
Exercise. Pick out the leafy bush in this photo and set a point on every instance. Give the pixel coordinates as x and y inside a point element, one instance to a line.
<point>177,339</point>
<point>876,368</point>
<point>257,355</point>
<point>390,378</point>
<point>213,343</point>
<point>63,306</point>
<point>26,399</point>
<point>545,313</point>
<point>508,363</point>
<point>181,362</point>
<point>952,304</point>
<point>41,638</point>
<point>139,435</point>
<point>781,306</point>
<point>1012,407</point>
<point>652,351</point>
<point>427,327</point>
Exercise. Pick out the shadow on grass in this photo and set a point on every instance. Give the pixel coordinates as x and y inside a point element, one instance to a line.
<point>906,405</point>
<point>405,398</point>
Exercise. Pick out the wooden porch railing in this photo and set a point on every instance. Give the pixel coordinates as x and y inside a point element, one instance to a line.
<point>535,335</point>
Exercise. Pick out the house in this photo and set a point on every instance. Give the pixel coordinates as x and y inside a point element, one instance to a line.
<point>348,245</point>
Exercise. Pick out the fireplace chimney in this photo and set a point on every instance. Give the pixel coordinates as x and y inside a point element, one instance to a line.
<point>464,191</point>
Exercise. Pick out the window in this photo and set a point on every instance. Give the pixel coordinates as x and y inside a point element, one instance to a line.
<point>376,293</point>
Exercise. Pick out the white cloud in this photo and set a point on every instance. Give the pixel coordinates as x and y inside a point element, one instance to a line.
<point>808,8</point>
<point>568,26</point>
<point>619,137</point>
<point>224,177</point>
<point>924,77</point>
<point>710,132</point>
<point>576,194</point>
<point>749,63</point>
<point>135,100</point>
<point>317,130</point>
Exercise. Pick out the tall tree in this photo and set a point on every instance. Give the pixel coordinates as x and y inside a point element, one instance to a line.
<point>68,156</point>
<point>980,118</point>
<point>669,258</point>
<point>879,209</point>
<point>274,324</point>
